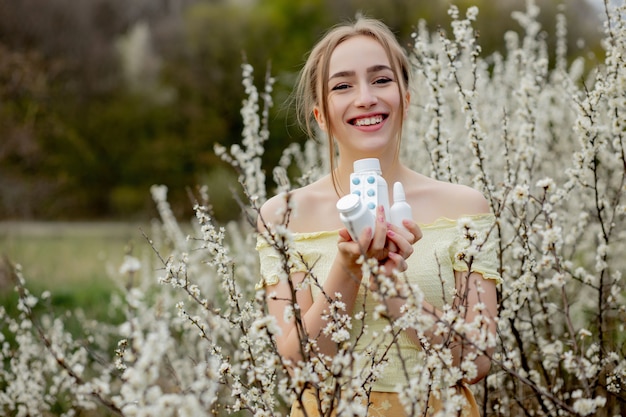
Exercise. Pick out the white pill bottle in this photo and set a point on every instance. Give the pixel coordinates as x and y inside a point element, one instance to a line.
<point>367,182</point>
<point>355,215</point>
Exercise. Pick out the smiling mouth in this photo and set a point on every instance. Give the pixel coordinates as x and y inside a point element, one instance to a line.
<point>368,121</point>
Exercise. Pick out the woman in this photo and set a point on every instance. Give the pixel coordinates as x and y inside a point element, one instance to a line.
<point>355,87</point>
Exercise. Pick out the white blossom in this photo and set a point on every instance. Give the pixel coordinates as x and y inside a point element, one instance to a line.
<point>542,138</point>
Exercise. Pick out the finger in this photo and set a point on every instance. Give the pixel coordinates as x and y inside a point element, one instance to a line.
<point>391,245</point>
<point>399,263</point>
<point>377,246</point>
<point>344,235</point>
<point>409,229</point>
<point>404,246</point>
<point>401,230</point>
<point>365,238</point>
<point>350,250</point>
<point>363,241</point>
<point>415,230</point>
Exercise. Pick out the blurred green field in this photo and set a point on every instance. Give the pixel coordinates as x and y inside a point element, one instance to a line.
<point>77,262</point>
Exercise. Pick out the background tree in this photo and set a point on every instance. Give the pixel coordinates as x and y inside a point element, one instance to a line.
<point>102,98</point>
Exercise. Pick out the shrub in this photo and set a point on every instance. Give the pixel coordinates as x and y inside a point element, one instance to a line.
<point>544,143</point>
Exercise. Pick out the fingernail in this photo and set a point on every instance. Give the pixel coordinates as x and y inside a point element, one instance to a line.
<point>390,233</point>
<point>381,212</point>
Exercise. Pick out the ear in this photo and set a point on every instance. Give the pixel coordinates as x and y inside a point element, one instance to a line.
<point>319,118</point>
<point>407,104</point>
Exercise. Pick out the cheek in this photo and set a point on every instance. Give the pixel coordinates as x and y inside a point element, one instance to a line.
<point>394,100</point>
<point>397,106</point>
<point>334,103</point>
<point>335,111</point>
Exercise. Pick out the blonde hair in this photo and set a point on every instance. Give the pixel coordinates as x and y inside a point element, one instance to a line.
<point>312,88</point>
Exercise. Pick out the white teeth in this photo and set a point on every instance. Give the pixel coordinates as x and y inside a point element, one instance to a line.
<point>368,121</point>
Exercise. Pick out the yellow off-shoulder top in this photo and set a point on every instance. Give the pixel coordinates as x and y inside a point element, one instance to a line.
<point>431,266</point>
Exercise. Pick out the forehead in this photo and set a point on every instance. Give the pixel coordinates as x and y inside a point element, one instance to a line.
<point>358,52</point>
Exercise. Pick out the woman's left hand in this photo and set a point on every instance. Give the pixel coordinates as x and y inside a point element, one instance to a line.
<point>399,243</point>
<point>401,239</point>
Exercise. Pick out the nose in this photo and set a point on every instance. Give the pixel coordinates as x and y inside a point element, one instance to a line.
<point>366,97</point>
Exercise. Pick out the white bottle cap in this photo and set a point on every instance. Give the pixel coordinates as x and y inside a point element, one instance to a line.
<point>398,192</point>
<point>367,164</point>
<point>348,203</point>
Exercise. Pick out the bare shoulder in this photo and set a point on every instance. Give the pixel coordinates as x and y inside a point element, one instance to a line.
<point>465,200</point>
<point>274,211</point>
<point>436,199</point>
<point>307,209</point>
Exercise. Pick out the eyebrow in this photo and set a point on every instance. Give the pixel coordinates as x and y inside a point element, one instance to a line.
<point>375,68</point>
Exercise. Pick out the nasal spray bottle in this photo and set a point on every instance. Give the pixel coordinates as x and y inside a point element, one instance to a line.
<point>370,188</point>
<point>400,209</point>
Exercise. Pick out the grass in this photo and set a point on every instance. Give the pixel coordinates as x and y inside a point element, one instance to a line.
<point>77,263</point>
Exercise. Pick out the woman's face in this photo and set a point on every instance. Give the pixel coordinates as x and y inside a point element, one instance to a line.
<point>364,103</point>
